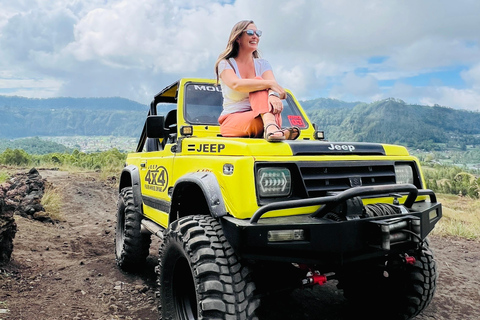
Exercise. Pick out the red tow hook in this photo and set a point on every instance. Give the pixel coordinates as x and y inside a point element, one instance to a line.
<point>410,260</point>
<point>314,278</point>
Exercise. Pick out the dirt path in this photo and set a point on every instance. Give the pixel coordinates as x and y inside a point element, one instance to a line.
<point>67,270</point>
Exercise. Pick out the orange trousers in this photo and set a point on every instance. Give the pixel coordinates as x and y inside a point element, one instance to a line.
<point>248,123</point>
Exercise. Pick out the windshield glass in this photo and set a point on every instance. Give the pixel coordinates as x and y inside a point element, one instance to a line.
<point>203,105</point>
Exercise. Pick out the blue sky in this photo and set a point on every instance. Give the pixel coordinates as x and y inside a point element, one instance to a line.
<point>424,52</point>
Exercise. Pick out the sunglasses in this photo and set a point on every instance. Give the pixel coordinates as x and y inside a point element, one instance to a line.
<point>251,32</point>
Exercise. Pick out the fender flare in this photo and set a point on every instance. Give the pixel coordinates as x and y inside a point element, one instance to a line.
<point>130,177</point>
<point>208,184</point>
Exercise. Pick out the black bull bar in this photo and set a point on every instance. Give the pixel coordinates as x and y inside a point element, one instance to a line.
<point>335,241</point>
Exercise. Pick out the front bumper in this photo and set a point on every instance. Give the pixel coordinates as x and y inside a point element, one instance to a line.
<point>329,242</point>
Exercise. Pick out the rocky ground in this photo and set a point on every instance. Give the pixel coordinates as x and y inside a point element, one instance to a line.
<point>67,270</point>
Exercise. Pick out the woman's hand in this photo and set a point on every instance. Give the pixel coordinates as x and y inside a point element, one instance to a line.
<point>276,103</point>
<point>278,89</point>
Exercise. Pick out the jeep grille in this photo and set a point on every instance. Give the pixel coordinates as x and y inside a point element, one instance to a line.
<point>320,178</point>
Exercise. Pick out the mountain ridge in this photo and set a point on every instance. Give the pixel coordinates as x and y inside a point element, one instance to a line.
<point>385,121</point>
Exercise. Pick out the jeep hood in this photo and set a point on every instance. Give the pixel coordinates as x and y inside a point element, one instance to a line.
<point>260,147</point>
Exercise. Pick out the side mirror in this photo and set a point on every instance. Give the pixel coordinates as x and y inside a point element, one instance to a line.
<point>155,127</point>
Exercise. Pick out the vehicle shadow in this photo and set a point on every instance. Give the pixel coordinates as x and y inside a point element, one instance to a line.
<point>317,302</point>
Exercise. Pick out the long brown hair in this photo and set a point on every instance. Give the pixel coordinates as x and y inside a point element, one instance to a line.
<point>231,51</point>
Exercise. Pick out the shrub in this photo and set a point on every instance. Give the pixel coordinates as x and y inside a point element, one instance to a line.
<point>16,157</point>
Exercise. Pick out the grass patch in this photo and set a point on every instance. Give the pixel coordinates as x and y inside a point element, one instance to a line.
<point>52,202</point>
<point>461,217</point>
<point>110,171</point>
<point>4,176</point>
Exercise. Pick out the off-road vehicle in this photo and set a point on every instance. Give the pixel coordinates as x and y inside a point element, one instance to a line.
<point>240,218</point>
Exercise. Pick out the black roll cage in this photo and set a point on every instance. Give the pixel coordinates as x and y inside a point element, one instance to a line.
<point>167,95</point>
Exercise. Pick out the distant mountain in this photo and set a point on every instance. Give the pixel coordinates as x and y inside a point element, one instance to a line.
<point>394,121</point>
<point>386,121</point>
<point>24,117</point>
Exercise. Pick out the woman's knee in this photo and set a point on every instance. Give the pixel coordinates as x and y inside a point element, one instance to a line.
<point>259,102</point>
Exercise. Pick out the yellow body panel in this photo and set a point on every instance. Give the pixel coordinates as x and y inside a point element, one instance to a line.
<point>205,151</point>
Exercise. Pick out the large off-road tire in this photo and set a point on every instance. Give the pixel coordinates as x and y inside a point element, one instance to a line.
<point>131,246</point>
<point>398,290</point>
<point>199,275</point>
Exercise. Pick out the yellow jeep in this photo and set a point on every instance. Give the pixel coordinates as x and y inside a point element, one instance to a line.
<point>235,215</point>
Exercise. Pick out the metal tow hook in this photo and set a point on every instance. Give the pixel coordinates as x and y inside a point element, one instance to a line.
<point>410,260</point>
<point>314,277</point>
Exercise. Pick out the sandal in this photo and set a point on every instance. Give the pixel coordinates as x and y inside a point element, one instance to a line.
<point>294,133</point>
<point>271,137</point>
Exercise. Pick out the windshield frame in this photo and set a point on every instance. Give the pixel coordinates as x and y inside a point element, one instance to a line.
<point>291,115</point>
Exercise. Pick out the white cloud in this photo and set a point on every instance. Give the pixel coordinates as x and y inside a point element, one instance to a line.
<point>466,99</point>
<point>134,48</point>
<point>472,77</point>
<point>432,54</point>
<point>353,85</point>
<point>297,78</point>
<point>35,31</point>
<point>44,87</point>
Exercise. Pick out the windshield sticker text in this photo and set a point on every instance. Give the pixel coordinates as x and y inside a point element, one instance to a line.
<point>296,121</point>
<point>207,88</point>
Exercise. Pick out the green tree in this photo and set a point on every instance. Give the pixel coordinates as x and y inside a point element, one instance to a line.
<point>15,157</point>
<point>467,184</point>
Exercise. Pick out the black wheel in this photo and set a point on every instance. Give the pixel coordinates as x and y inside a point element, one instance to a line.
<point>131,246</point>
<point>398,290</point>
<point>199,275</point>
